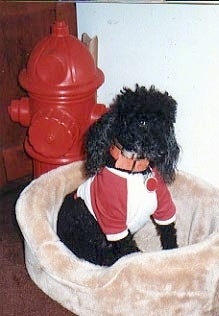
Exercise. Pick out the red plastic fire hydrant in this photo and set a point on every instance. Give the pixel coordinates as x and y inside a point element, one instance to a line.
<point>61,79</point>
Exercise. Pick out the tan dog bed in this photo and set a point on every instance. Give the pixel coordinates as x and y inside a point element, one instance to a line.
<point>183,281</point>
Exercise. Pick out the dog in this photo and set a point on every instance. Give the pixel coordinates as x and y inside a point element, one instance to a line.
<point>131,157</point>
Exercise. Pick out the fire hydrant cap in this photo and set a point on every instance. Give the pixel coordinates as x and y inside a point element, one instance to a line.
<point>61,65</point>
<point>52,132</point>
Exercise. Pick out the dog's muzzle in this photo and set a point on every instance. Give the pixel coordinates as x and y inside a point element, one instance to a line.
<point>128,160</point>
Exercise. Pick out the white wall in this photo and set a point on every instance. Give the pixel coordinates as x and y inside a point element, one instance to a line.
<point>174,47</point>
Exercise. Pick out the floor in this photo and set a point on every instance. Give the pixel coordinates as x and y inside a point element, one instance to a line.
<point>19,296</point>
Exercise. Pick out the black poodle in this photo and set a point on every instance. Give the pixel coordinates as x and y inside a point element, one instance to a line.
<point>131,156</point>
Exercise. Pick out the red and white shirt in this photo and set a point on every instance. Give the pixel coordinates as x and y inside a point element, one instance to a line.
<point>120,201</point>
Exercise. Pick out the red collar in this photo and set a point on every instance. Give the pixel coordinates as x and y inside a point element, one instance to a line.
<point>127,160</point>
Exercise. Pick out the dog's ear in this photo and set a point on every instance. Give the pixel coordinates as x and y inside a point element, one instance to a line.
<point>98,140</point>
<point>167,164</point>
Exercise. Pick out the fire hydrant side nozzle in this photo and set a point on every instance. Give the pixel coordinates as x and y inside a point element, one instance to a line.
<point>61,80</point>
<point>19,111</point>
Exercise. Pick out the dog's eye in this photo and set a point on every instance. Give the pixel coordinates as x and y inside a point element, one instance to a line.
<point>142,123</point>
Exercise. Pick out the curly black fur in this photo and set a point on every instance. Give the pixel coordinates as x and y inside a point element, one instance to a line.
<point>80,232</point>
<point>142,121</point>
<point>167,236</point>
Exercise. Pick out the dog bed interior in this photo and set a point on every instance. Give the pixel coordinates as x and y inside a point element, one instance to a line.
<point>183,281</point>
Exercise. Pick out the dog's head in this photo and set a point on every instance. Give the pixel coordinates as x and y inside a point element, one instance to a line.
<point>141,121</point>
